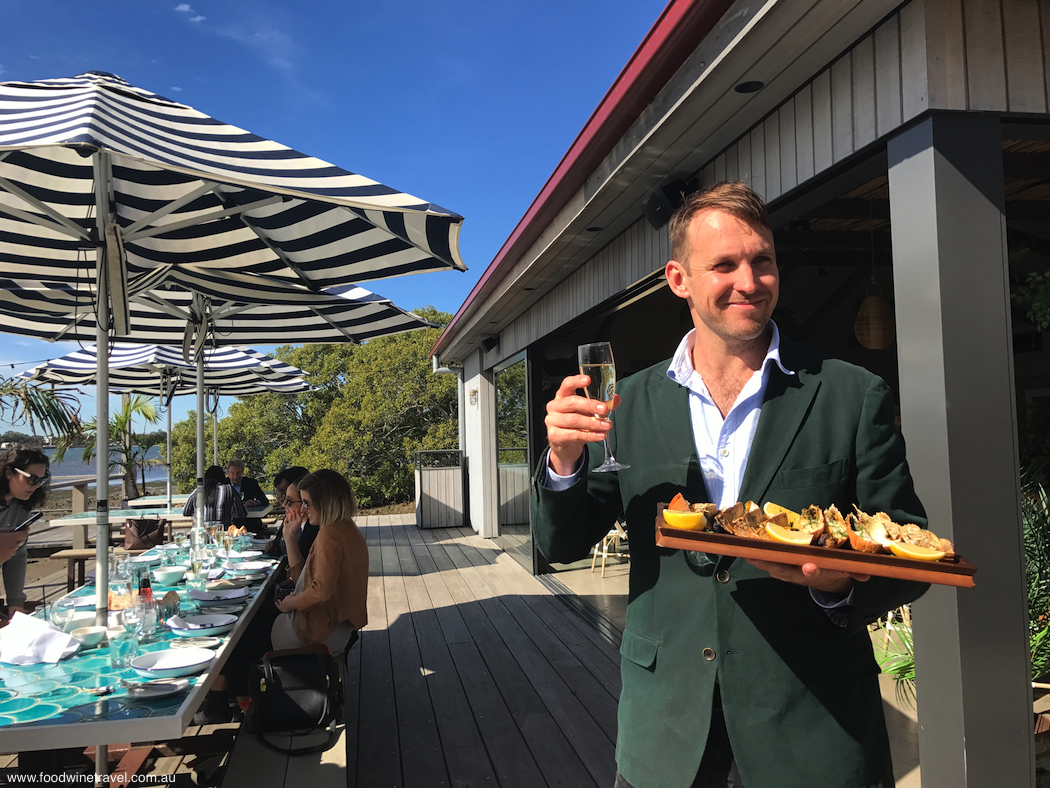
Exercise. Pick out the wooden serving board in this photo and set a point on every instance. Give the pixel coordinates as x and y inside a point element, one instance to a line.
<point>957,572</point>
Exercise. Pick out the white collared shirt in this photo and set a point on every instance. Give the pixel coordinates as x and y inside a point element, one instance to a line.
<point>724,445</point>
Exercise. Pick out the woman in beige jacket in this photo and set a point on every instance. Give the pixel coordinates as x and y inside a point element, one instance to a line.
<point>329,603</point>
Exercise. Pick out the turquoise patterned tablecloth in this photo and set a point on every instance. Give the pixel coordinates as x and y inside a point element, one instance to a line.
<point>53,694</point>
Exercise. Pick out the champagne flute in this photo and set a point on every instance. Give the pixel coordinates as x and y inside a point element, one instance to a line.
<point>596,361</point>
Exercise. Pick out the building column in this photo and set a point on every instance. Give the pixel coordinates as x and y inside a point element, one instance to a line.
<point>479,435</point>
<point>955,358</point>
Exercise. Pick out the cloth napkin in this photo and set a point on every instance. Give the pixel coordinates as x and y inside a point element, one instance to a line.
<point>29,641</point>
<point>178,622</point>
<point>215,574</point>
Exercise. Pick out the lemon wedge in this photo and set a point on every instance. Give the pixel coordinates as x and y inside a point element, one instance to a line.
<point>689,521</point>
<point>787,536</point>
<point>769,509</point>
<point>905,550</point>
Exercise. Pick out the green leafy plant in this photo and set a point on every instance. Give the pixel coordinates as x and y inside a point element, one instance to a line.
<point>57,412</point>
<point>1034,293</point>
<point>892,637</point>
<point>122,438</point>
<point>894,647</point>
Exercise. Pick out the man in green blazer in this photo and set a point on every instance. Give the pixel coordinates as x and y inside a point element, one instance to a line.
<point>735,672</point>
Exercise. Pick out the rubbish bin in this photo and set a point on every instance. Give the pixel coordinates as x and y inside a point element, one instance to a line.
<point>441,489</point>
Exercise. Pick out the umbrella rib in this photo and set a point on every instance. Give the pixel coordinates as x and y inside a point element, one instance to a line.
<point>130,232</point>
<point>303,278</point>
<point>148,232</point>
<point>162,305</point>
<point>61,223</point>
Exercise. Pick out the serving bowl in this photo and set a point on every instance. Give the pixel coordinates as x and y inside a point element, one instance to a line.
<point>89,636</point>
<point>169,575</point>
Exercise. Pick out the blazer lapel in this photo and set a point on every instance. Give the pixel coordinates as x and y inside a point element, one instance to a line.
<point>668,411</point>
<point>788,400</point>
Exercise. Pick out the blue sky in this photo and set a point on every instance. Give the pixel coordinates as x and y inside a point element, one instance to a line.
<point>465,103</point>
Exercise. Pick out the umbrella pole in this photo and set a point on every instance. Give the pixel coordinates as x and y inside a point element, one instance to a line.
<point>102,455</point>
<point>199,511</point>
<point>215,432</point>
<point>168,455</point>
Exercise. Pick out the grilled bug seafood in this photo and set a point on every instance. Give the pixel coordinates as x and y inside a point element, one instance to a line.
<point>863,532</point>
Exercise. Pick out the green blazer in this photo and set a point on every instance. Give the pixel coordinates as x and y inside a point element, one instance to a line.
<point>800,694</point>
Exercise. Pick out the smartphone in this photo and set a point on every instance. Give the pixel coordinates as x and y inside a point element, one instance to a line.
<point>32,518</point>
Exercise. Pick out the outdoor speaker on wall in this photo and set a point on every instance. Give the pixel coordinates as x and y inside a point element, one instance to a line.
<point>660,203</point>
<point>489,342</point>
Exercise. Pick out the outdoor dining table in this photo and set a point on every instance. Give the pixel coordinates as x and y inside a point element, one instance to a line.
<point>50,706</point>
<point>118,516</point>
<point>154,501</point>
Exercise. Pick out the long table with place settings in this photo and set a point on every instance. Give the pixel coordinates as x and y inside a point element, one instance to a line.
<point>118,516</point>
<point>50,706</point>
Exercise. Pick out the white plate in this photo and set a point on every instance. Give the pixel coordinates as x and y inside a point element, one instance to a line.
<point>80,602</point>
<point>239,555</point>
<point>222,597</point>
<point>196,642</point>
<point>173,663</point>
<point>146,559</point>
<point>247,567</point>
<point>207,626</point>
<point>158,688</point>
<point>235,610</point>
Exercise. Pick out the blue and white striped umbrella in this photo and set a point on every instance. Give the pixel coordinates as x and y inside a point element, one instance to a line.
<point>93,163</point>
<point>205,307</point>
<point>149,221</point>
<point>161,371</point>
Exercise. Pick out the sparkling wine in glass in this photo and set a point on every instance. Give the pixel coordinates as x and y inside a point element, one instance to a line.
<point>596,361</point>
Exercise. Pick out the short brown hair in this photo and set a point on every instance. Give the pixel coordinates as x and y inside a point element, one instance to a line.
<point>734,197</point>
<point>332,496</point>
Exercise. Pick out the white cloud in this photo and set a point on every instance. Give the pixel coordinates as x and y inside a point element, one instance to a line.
<point>176,89</point>
<point>2,69</point>
<point>184,8</point>
<point>198,18</point>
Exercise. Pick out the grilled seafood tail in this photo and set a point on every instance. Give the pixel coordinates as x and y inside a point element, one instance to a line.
<point>868,534</point>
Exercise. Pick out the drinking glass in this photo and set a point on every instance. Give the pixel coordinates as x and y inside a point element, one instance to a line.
<point>227,544</point>
<point>130,618</point>
<point>596,361</point>
<point>123,647</point>
<point>147,620</point>
<point>62,613</point>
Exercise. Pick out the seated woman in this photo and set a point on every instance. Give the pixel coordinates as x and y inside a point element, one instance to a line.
<point>221,503</point>
<point>24,474</point>
<point>329,603</point>
<point>297,533</point>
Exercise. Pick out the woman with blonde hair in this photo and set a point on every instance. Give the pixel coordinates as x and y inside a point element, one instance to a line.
<point>329,603</point>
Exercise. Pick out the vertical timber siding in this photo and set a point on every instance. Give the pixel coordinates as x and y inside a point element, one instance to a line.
<point>973,55</point>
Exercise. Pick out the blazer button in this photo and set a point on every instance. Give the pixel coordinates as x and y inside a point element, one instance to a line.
<point>709,654</point>
<point>722,576</point>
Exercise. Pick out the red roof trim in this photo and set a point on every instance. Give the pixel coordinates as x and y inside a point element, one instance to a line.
<point>676,34</point>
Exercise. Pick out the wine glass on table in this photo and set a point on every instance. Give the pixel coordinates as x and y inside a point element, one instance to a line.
<point>596,361</point>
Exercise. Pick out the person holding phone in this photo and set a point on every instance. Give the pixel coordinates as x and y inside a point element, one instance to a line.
<point>24,474</point>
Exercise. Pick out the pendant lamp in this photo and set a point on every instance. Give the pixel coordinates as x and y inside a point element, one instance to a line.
<point>874,326</point>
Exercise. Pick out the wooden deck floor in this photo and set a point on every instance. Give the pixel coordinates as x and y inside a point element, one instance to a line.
<point>469,673</point>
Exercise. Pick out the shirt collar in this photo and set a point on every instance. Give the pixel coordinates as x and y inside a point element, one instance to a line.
<point>681,367</point>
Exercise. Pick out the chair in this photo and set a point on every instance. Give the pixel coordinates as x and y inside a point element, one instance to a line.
<point>614,542</point>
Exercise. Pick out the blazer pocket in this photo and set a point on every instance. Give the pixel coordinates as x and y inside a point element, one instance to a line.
<point>639,649</point>
<point>818,476</point>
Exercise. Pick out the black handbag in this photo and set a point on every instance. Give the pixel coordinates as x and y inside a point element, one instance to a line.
<point>144,533</point>
<point>296,691</point>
